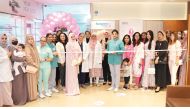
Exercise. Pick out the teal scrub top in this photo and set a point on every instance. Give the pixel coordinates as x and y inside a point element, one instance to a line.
<point>54,63</point>
<point>45,52</point>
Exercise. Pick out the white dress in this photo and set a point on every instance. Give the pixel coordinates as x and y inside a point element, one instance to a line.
<point>95,61</point>
<point>148,80</point>
<point>174,51</point>
<point>138,56</point>
<point>5,79</point>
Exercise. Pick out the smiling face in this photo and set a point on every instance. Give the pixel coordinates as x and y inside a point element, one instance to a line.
<point>62,38</point>
<point>43,41</point>
<point>160,36</point>
<point>115,35</point>
<point>126,40</point>
<point>3,39</point>
<point>81,37</point>
<point>144,36</point>
<point>93,37</point>
<point>137,36</point>
<point>179,35</point>
<point>172,37</point>
<point>87,33</point>
<point>20,48</point>
<point>50,38</point>
<point>73,38</point>
<point>30,40</point>
<point>54,38</point>
<point>148,36</point>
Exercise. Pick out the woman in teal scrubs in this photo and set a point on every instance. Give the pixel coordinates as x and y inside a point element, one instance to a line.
<point>46,57</point>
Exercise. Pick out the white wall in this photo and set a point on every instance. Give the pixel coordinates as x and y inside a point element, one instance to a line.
<point>139,10</point>
<point>154,25</point>
<point>130,26</point>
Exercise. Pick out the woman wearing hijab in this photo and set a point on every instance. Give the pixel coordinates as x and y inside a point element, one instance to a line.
<point>32,59</point>
<point>73,60</point>
<point>95,59</point>
<point>182,73</point>
<point>5,75</point>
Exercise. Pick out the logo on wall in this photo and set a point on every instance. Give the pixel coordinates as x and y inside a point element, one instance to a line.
<point>131,32</point>
<point>14,5</point>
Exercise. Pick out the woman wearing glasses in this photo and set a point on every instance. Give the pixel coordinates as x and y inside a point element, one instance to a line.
<point>46,56</point>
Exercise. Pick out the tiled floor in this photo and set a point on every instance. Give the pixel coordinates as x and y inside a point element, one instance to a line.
<point>98,96</point>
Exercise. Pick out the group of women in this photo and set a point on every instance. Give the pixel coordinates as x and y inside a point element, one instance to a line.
<point>74,61</point>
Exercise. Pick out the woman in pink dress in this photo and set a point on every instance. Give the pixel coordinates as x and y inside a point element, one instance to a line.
<point>128,48</point>
<point>73,60</point>
<point>128,51</point>
<point>144,40</point>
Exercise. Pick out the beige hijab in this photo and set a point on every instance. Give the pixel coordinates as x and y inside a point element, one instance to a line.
<point>31,52</point>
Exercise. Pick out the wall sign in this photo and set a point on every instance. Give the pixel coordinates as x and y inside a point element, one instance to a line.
<point>103,25</point>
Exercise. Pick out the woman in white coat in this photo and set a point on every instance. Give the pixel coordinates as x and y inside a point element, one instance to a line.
<point>61,49</point>
<point>95,59</point>
<point>84,66</point>
<point>5,79</point>
<point>174,54</point>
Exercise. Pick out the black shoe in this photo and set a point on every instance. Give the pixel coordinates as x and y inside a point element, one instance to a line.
<point>157,91</point>
<point>125,87</point>
<point>109,83</point>
<point>104,83</point>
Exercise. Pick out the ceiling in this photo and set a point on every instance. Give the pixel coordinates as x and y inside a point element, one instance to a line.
<point>99,1</point>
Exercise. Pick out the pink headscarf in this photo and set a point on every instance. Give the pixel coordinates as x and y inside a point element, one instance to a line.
<point>93,41</point>
<point>70,39</point>
<point>72,44</point>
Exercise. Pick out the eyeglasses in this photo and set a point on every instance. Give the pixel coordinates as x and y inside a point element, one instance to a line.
<point>4,38</point>
<point>42,40</point>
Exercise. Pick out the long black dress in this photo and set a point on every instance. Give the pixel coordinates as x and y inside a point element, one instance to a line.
<point>161,68</point>
<point>106,68</point>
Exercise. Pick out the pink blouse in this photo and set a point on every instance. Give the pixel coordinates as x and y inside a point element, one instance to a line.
<point>128,52</point>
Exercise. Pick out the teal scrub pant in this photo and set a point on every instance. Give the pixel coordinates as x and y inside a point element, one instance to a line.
<point>43,78</point>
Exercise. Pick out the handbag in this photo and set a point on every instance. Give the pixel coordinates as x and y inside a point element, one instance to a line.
<point>164,61</point>
<point>31,69</point>
<point>151,70</point>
